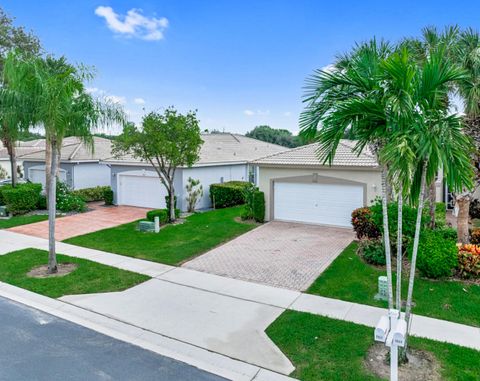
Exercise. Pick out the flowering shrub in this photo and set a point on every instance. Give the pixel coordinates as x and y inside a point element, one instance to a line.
<point>363,224</point>
<point>469,260</point>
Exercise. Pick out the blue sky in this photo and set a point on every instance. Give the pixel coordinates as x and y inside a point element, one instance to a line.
<point>239,63</point>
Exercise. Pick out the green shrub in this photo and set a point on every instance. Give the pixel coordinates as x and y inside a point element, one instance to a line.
<point>2,188</point>
<point>372,251</point>
<point>108,196</point>
<point>437,256</point>
<point>448,233</point>
<point>21,199</point>
<point>67,201</point>
<point>42,202</point>
<point>363,224</point>
<point>259,206</point>
<point>91,194</point>
<point>409,216</point>
<point>162,214</point>
<point>440,215</point>
<point>227,194</point>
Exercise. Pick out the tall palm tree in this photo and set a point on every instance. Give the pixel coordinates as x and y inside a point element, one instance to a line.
<point>350,97</point>
<point>62,107</point>
<point>431,139</point>
<point>467,52</point>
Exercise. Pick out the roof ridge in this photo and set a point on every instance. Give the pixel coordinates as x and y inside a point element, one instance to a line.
<point>286,150</point>
<point>75,151</point>
<point>352,148</point>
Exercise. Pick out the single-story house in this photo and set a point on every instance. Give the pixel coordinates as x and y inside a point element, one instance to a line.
<point>21,148</point>
<point>299,188</point>
<point>223,157</point>
<point>79,167</point>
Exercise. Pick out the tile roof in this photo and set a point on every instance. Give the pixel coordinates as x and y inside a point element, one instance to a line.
<point>307,156</point>
<point>222,148</point>
<point>23,148</point>
<point>73,149</point>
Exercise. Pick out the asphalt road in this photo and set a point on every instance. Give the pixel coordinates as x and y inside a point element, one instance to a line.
<point>38,346</point>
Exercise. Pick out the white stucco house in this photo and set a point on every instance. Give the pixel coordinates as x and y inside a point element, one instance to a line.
<point>22,148</point>
<point>299,188</point>
<point>223,157</point>
<point>79,167</point>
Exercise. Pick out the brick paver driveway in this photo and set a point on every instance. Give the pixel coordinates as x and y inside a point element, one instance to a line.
<point>279,254</point>
<point>100,217</point>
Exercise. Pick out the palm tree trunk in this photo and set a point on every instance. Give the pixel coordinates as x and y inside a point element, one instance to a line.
<point>408,308</point>
<point>399,249</point>
<point>13,162</point>
<point>48,167</point>
<point>386,237</point>
<point>52,206</point>
<point>463,202</point>
<point>432,199</point>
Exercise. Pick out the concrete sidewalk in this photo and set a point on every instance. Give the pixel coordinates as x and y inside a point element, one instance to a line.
<point>219,313</point>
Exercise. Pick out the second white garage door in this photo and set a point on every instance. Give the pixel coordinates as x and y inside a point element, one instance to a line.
<point>327,204</point>
<point>141,188</point>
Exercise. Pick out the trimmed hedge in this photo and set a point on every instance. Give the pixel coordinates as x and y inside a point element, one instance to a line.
<point>92,194</point>
<point>162,214</point>
<point>258,206</point>
<point>228,194</point>
<point>22,199</point>
<point>437,255</point>
<point>108,196</point>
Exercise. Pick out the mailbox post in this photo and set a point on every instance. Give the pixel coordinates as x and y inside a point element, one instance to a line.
<point>391,329</point>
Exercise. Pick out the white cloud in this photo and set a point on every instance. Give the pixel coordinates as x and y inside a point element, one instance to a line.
<point>257,112</point>
<point>134,23</point>
<point>116,99</point>
<point>329,68</point>
<point>139,101</point>
<point>92,90</point>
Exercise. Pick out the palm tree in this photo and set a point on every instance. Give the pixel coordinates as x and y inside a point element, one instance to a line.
<point>62,107</point>
<point>467,52</point>
<point>350,98</point>
<point>431,138</point>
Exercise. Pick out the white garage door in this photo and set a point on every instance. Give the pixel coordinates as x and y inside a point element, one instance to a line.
<point>328,204</point>
<point>37,175</point>
<point>142,189</point>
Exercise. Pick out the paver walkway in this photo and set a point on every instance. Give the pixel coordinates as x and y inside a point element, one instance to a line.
<point>101,217</point>
<point>280,254</point>
<point>212,312</point>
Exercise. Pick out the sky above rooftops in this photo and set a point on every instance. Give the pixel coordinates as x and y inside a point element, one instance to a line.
<point>239,63</point>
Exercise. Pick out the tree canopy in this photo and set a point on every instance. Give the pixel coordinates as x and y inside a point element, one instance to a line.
<point>276,136</point>
<point>167,141</point>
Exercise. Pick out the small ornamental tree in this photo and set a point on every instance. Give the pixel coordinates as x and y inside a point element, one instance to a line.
<point>194,193</point>
<point>166,141</point>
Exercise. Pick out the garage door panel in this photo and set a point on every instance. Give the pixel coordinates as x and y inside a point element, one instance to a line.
<point>329,204</point>
<point>141,191</point>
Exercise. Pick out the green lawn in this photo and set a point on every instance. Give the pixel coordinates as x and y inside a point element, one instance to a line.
<point>350,278</point>
<point>175,243</point>
<point>22,220</point>
<point>326,349</point>
<point>88,277</point>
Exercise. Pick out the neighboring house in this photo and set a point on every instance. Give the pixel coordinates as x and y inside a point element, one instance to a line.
<point>299,188</point>
<point>79,166</point>
<point>223,157</point>
<point>22,148</point>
